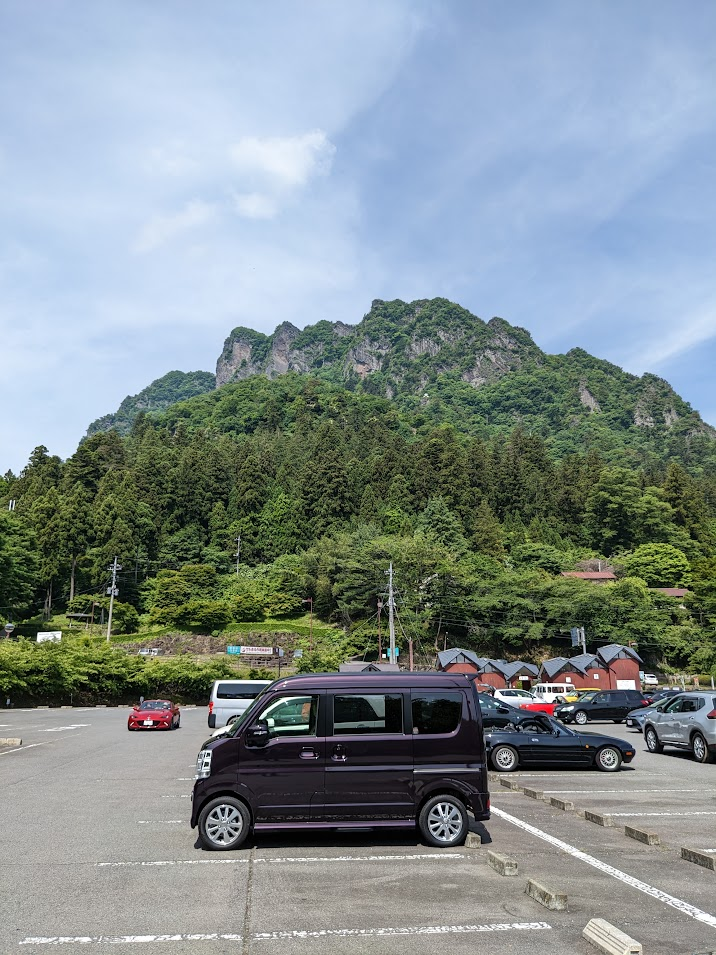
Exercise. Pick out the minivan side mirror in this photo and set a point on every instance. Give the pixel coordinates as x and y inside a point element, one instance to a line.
<point>258,735</point>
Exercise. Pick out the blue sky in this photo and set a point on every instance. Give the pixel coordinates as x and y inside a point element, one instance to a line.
<point>171,170</point>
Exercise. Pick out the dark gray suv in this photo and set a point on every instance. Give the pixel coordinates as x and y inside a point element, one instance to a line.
<point>687,722</point>
<point>601,705</point>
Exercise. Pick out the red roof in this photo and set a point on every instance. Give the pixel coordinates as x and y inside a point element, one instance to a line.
<point>590,574</point>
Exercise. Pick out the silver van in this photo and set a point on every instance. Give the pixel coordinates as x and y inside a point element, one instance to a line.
<point>230,698</point>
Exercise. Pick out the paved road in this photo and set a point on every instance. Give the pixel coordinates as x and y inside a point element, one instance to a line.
<point>95,848</point>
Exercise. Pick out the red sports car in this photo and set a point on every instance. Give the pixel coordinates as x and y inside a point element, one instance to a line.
<point>154,715</point>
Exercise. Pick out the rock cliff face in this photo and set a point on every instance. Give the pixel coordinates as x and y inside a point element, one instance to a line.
<point>392,340</point>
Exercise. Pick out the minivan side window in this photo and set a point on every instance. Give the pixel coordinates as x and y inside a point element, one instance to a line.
<point>291,716</point>
<point>436,712</point>
<point>363,713</point>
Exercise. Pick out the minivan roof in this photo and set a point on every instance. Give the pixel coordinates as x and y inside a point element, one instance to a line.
<point>375,680</point>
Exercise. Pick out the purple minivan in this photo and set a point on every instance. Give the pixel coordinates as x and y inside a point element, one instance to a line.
<point>347,750</point>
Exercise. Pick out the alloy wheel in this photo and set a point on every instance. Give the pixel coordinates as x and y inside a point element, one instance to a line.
<point>224,825</point>
<point>445,822</point>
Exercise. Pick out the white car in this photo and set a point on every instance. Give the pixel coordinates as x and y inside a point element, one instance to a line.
<point>516,697</point>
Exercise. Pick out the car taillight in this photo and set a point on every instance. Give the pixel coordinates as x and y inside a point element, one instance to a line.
<point>711,715</point>
<point>211,707</point>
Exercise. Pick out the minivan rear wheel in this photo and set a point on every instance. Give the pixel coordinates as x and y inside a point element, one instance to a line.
<point>443,821</point>
<point>224,823</point>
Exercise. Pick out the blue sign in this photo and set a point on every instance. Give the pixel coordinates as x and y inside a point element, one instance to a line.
<point>233,649</point>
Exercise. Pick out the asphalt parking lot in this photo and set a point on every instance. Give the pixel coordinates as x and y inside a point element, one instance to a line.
<point>96,849</point>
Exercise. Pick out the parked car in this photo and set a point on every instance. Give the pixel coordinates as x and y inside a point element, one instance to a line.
<point>573,695</point>
<point>515,697</point>
<point>154,715</point>
<point>552,692</point>
<point>669,693</point>
<point>230,698</point>
<point>601,705</point>
<point>650,680</point>
<point>495,712</point>
<point>419,761</point>
<point>539,740</point>
<point>638,717</point>
<point>525,700</point>
<point>686,722</point>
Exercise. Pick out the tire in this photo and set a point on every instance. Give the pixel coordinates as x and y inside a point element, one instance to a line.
<point>504,759</point>
<point>652,740</point>
<point>443,822</point>
<point>224,824</point>
<point>608,759</point>
<point>212,721</point>
<point>580,718</point>
<point>699,749</point>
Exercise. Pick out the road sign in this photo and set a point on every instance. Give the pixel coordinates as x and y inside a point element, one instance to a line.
<point>9,627</point>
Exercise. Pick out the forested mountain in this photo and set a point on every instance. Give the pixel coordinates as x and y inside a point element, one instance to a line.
<point>440,364</point>
<point>165,391</point>
<point>479,495</point>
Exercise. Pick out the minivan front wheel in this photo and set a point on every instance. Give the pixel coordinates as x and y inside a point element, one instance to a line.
<point>580,717</point>
<point>443,821</point>
<point>224,823</point>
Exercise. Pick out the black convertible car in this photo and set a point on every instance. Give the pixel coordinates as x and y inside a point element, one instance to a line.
<point>535,739</point>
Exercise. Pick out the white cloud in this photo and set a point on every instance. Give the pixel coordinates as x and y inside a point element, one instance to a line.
<point>255,205</point>
<point>160,229</point>
<point>283,162</point>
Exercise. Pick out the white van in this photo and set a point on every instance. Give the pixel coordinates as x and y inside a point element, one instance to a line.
<point>549,692</point>
<point>229,699</point>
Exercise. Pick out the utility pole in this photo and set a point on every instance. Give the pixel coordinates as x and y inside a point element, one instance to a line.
<point>238,553</point>
<point>113,592</point>
<point>392,658</point>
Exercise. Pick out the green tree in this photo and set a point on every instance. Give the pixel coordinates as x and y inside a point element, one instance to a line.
<point>659,565</point>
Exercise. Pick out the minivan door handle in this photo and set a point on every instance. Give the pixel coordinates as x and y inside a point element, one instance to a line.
<point>308,753</point>
<point>339,754</point>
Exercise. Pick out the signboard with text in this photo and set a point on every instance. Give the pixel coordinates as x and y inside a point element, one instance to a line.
<point>51,636</point>
<point>252,651</point>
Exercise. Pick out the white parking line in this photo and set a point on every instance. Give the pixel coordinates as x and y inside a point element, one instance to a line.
<point>599,792</point>
<point>694,813</point>
<point>283,860</point>
<point>161,822</point>
<point>182,796</point>
<point>684,907</point>
<point>20,748</point>
<point>298,934</point>
<point>60,729</point>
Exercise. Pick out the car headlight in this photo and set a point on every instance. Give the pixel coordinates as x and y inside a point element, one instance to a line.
<point>203,764</point>
<point>564,709</point>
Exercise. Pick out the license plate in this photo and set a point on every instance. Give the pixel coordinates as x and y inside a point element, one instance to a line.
<point>148,722</point>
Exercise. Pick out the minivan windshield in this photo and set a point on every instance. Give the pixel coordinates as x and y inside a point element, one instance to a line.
<point>234,728</point>
<point>589,695</point>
